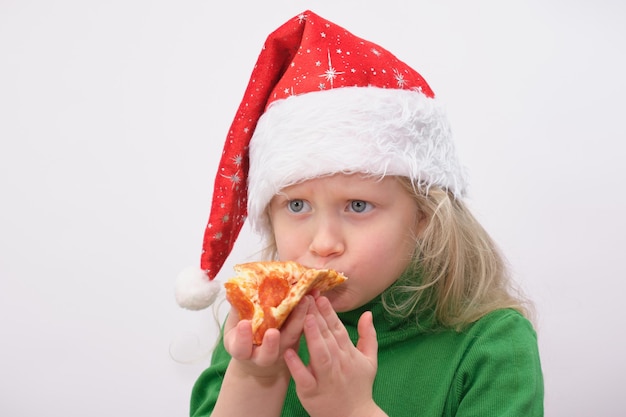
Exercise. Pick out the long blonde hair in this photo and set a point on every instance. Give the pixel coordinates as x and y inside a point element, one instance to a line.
<point>462,274</point>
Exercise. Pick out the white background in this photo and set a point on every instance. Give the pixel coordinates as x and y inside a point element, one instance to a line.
<point>112,119</point>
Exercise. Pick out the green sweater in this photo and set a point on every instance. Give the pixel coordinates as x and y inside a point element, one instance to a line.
<point>491,368</point>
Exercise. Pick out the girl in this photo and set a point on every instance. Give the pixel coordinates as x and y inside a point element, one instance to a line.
<point>340,156</point>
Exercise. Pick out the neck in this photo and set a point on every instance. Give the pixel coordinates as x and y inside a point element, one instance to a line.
<point>384,321</point>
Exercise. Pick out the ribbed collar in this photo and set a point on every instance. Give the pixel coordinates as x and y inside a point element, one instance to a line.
<point>389,329</point>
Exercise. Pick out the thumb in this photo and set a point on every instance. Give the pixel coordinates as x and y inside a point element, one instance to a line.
<point>367,344</point>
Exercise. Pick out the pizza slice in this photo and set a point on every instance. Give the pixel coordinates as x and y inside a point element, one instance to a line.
<point>266,292</point>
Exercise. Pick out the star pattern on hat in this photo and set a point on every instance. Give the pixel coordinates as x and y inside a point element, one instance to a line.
<point>345,60</point>
<point>331,73</point>
<point>306,54</point>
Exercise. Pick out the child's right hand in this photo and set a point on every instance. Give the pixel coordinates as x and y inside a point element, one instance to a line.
<point>265,360</point>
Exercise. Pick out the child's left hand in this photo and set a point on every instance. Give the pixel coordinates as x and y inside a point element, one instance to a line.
<point>339,378</point>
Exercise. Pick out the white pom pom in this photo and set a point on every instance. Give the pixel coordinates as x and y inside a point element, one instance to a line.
<point>194,289</point>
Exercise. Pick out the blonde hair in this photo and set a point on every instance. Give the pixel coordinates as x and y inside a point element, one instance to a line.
<point>463,276</point>
<point>457,275</point>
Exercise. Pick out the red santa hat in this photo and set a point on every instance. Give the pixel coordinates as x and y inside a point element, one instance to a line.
<point>320,100</point>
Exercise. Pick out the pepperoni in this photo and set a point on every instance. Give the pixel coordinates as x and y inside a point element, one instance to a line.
<point>258,335</point>
<point>238,299</point>
<point>272,291</point>
<point>269,322</point>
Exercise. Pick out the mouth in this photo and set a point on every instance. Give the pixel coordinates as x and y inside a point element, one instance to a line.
<point>323,267</point>
<point>336,291</point>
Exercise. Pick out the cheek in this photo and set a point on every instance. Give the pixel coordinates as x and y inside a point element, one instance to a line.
<point>395,255</point>
<point>391,239</point>
<point>388,250</point>
<point>288,245</point>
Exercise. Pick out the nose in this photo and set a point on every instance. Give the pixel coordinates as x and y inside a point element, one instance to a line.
<point>327,239</point>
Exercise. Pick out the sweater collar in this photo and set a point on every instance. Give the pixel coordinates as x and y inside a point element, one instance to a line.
<point>388,327</point>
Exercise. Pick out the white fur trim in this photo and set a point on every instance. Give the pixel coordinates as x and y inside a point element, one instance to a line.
<point>194,290</point>
<point>369,130</point>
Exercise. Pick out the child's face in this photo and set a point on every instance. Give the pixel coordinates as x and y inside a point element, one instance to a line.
<point>362,227</point>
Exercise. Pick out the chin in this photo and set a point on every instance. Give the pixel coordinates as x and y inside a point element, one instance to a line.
<point>339,301</point>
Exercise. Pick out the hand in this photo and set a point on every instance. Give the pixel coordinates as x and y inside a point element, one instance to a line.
<point>265,360</point>
<point>339,378</point>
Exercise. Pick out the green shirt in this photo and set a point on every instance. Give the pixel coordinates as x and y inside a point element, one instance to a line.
<point>491,368</point>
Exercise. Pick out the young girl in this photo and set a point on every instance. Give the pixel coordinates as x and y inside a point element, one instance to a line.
<point>341,157</point>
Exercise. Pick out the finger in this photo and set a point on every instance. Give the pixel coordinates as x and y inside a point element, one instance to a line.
<point>335,326</point>
<point>320,355</point>
<point>322,326</point>
<point>269,351</point>
<point>315,293</point>
<point>239,341</point>
<point>232,319</point>
<point>299,372</point>
<point>292,329</point>
<point>300,310</point>
<point>368,343</point>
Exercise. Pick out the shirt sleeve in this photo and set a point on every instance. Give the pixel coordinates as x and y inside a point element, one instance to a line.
<point>207,387</point>
<point>500,374</point>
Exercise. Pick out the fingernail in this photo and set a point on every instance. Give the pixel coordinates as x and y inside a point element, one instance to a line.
<point>241,328</point>
<point>290,354</point>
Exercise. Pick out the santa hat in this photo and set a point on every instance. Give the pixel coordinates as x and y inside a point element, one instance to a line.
<point>320,100</point>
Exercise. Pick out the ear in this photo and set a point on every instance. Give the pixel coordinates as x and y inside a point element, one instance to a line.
<point>422,222</point>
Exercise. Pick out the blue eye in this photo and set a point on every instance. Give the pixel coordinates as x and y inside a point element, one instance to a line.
<point>360,206</point>
<point>296,206</point>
